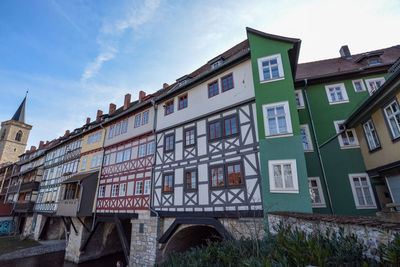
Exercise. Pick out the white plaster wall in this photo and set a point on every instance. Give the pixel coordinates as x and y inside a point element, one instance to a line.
<point>132,131</point>
<point>199,103</point>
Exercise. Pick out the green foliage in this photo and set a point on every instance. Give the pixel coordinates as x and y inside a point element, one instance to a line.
<point>289,247</point>
<point>390,253</point>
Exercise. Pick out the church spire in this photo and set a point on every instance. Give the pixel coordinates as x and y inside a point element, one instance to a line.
<point>20,113</point>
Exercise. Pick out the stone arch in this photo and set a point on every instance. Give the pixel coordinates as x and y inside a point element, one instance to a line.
<point>189,237</point>
<point>18,136</point>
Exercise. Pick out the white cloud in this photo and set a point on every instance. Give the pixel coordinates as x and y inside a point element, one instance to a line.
<point>112,31</point>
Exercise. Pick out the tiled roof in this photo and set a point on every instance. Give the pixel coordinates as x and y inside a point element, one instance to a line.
<point>337,66</point>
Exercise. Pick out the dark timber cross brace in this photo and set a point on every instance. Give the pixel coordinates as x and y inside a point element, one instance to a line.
<point>195,220</point>
<point>84,244</point>
<point>122,237</point>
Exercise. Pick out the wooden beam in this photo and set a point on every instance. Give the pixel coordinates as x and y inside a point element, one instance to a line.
<point>122,238</point>
<point>83,246</point>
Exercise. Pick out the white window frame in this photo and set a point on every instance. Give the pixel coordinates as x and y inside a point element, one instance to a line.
<point>280,68</point>
<point>147,187</point>
<point>343,91</point>
<point>106,160</point>
<point>361,83</point>
<point>84,161</point>
<point>322,204</point>
<point>142,150</point>
<point>342,145</point>
<point>94,161</point>
<point>374,80</point>
<point>387,118</point>
<point>273,188</point>
<point>114,190</point>
<point>285,105</point>
<point>308,136</point>
<point>139,188</point>
<point>353,189</point>
<point>101,191</point>
<point>299,93</point>
<point>127,154</point>
<point>117,160</point>
<point>145,121</point>
<point>122,190</point>
<point>371,135</point>
<point>150,148</point>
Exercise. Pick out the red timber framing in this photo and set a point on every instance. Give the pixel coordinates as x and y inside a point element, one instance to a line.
<point>128,177</point>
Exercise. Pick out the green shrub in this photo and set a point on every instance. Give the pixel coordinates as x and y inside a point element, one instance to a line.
<point>390,253</point>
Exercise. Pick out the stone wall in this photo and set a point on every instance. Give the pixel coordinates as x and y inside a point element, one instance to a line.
<point>370,231</point>
<point>104,241</point>
<point>144,239</point>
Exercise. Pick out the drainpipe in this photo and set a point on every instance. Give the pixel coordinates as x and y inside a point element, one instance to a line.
<point>98,182</point>
<point>321,162</point>
<point>152,175</point>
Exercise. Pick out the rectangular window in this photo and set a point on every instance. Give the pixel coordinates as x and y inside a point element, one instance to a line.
<point>283,176</point>
<point>124,126</point>
<point>217,176</point>
<point>270,68</point>
<point>234,174</point>
<point>277,119</point>
<point>84,161</point>
<point>299,99</point>
<point>348,137</point>
<point>358,85</point>
<point>139,188</point>
<point>145,117</point>
<point>374,84</point>
<point>106,160</point>
<point>118,129</point>
<point>147,187</point>
<point>371,136</point>
<point>111,132</point>
<point>102,190</point>
<point>150,148</point>
<point>316,193</point>
<point>168,183</point>
<point>114,190</point>
<point>230,126</point>
<point>213,89</point>
<point>127,154</point>
<point>227,82</point>
<point>191,180</point>
<point>94,160</point>
<point>362,191</point>
<point>306,137</point>
<point>122,190</point>
<point>336,93</point>
<point>120,156</point>
<point>190,138</point>
<point>169,107</point>
<point>142,150</point>
<point>169,143</point>
<point>99,157</point>
<point>137,120</point>
<point>392,115</point>
<point>214,130</point>
<point>183,101</point>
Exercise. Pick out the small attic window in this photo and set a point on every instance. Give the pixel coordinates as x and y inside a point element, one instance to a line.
<point>216,64</point>
<point>374,61</point>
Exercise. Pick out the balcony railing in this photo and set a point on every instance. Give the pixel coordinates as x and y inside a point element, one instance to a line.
<point>30,186</point>
<point>23,207</point>
<point>68,207</point>
<point>13,188</point>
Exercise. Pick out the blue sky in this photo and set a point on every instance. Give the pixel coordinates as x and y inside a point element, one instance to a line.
<point>78,56</point>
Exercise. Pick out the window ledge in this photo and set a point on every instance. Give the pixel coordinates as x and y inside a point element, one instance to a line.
<point>294,191</point>
<point>272,80</point>
<point>301,107</point>
<point>365,207</point>
<point>349,147</point>
<point>318,206</point>
<point>339,102</point>
<point>278,135</point>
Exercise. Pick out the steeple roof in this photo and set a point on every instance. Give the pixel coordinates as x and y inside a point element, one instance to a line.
<point>20,113</point>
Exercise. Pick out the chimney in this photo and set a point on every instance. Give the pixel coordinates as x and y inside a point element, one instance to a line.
<point>47,142</point>
<point>345,52</point>
<point>142,95</point>
<point>41,143</point>
<point>112,108</point>
<point>127,101</point>
<point>99,113</point>
<point>66,133</point>
<point>87,120</point>
<point>165,85</point>
<point>33,148</point>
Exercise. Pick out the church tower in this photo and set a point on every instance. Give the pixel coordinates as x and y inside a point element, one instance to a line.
<point>14,135</point>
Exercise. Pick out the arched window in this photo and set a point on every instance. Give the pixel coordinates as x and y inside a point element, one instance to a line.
<point>3,135</point>
<point>18,136</point>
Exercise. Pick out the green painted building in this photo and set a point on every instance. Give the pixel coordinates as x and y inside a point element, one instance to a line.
<point>283,165</point>
<point>327,92</point>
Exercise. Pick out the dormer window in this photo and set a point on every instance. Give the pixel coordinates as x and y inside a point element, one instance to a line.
<point>373,61</point>
<point>183,80</point>
<point>216,62</point>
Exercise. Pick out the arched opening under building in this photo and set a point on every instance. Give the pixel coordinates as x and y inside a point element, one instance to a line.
<point>189,237</point>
